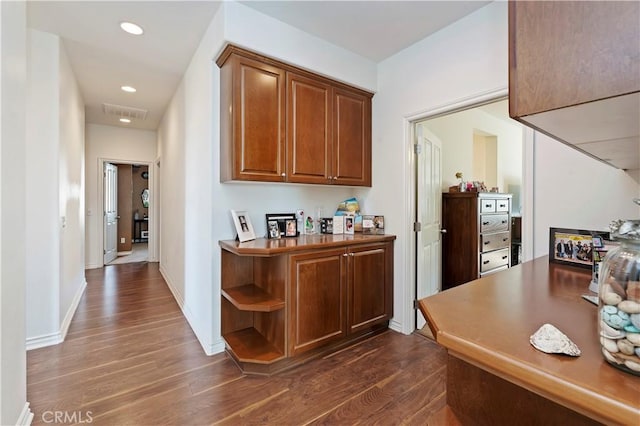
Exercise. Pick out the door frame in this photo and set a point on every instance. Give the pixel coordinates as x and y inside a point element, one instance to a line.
<point>410,209</point>
<point>153,209</point>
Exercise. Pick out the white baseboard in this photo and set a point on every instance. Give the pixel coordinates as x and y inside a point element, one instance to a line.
<point>396,326</point>
<point>43,340</point>
<point>26,416</point>
<point>66,322</point>
<point>59,336</point>
<point>209,348</point>
<point>93,266</point>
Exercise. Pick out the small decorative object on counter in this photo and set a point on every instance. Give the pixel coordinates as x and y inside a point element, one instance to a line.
<point>462,186</point>
<point>619,298</point>
<point>550,340</point>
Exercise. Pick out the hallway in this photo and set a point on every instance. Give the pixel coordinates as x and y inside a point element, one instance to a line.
<point>130,357</point>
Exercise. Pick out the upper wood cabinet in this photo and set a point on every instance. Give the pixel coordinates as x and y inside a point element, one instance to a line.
<point>574,74</point>
<point>280,123</point>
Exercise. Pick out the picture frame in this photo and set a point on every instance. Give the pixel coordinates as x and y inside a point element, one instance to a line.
<point>574,247</point>
<point>273,230</point>
<point>287,224</point>
<point>243,225</point>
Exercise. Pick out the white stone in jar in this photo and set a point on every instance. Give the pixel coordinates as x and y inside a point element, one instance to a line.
<point>629,306</point>
<point>635,366</point>
<point>633,338</point>
<point>611,298</point>
<point>625,346</point>
<point>610,345</point>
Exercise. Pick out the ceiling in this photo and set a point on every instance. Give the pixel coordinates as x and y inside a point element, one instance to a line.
<point>104,58</point>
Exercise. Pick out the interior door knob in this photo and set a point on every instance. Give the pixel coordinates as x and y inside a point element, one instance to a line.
<point>443,231</point>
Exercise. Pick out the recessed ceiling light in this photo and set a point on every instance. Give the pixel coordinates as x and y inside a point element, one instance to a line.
<point>131,28</point>
<point>128,89</point>
<point>125,120</point>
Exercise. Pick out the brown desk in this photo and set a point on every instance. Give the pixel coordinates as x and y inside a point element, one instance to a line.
<point>495,376</point>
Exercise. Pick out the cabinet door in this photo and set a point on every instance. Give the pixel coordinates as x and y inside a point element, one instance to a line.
<point>351,138</point>
<point>309,130</point>
<point>257,109</point>
<point>317,294</point>
<point>370,292</point>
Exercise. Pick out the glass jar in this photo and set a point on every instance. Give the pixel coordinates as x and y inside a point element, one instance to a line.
<point>619,299</point>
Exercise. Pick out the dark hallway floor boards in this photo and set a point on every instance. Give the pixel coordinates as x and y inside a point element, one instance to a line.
<point>130,358</point>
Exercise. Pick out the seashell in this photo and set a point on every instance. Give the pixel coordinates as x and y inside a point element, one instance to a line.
<point>633,291</point>
<point>625,346</point>
<point>629,307</point>
<point>550,340</point>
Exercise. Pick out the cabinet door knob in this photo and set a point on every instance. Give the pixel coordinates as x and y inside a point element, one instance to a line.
<point>335,178</point>
<point>330,177</point>
<point>443,231</point>
<point>283,175</point>
<point>345,255</point>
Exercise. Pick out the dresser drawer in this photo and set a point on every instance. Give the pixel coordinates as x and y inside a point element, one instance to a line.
<point>494,259</point>
<point>494,223</point>
<point>487,206</point>
<point>490,242</point>
<point>502,205</point>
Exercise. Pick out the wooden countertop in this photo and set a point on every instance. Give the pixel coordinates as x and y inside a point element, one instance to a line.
<point>488,322</point>
<point>271,247</point>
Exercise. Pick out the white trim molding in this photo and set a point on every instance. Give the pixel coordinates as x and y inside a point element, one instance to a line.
<point>212,348</point>
<point>59,336</point>
<point>26,416</point>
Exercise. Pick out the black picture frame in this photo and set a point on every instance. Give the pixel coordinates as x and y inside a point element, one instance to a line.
<point>283,221</point>
<point>573,247</point>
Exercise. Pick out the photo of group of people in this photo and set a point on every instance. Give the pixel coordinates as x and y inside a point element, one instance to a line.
<point>574,248</point>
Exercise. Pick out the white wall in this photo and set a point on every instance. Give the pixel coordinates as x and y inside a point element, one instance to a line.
<point>572,190</point>
<point>42,180</point>
<point>71,191</point>
<point>55,184</point>
<point>190,146</point>
<point>465,59</point>
<point>13,68</point>
<point>110,143</point>
<point>456,133</point>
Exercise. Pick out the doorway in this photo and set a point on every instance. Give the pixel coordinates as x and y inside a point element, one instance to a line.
<point>135,211</point>
<point>478,140</point>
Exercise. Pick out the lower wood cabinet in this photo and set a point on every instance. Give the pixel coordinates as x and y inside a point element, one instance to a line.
<point>284,304</point>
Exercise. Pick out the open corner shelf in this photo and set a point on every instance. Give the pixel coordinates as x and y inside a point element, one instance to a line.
<point>248,345</point>
<point>252,298</point>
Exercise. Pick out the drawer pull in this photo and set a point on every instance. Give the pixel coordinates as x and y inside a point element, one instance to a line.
<point>505,240</point>
<point>504,221</point>
<point>504,257</point>
<point>485,223</point>
<point>487,205</point>
<point>485,262</point>
<point>486,243</point>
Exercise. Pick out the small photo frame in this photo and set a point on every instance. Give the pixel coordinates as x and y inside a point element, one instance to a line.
<point>574,247</point>
<point>287,224</point>
<point>243,225</point>
<point>273,231</point>
<point>378,225</point>
<point>349,227</point>
<point>291,227</point>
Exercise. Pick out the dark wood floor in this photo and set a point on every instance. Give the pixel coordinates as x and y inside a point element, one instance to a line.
<point>130,358</point>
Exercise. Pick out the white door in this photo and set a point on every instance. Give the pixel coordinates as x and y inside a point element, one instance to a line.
<point>428,213</point>
<point>110,212</point>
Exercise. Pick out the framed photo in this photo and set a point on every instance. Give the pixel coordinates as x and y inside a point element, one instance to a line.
<point>574,247</point>
<point>287,224</point>
<point>244,228</point>
<point>291,227</point>
<point>273,231</point>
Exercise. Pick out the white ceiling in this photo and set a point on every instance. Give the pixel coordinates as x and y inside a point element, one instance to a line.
<point>104,58</point>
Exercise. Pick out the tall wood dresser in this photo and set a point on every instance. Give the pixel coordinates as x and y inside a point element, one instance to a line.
<point>477,240</point>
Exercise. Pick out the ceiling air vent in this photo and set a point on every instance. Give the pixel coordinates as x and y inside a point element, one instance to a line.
<point>124,111</point>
